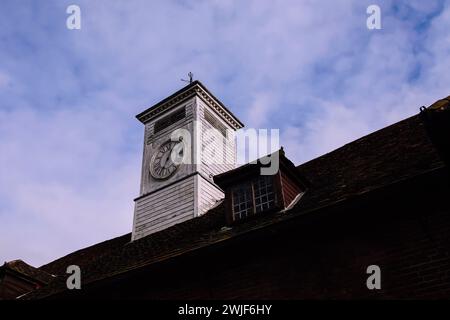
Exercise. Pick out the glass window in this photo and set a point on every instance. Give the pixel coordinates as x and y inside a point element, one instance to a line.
<point>242,201</point>
<point>264,195</point>
<point>253,197</point>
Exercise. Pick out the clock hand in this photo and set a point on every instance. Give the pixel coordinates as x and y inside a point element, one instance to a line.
<point>168,158</point>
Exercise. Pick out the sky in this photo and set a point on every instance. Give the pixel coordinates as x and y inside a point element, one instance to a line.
<point>71,148</point>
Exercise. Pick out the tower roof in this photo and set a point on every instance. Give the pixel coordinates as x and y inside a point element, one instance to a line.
<point>196,88</point>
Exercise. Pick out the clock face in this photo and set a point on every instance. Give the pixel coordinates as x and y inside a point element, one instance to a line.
<point>166,160</point>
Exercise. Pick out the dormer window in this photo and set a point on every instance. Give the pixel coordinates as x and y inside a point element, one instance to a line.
<point>253,197</point>
<point>248,193</point>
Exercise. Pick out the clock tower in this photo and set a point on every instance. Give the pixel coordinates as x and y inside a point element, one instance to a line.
<point>189,138</point>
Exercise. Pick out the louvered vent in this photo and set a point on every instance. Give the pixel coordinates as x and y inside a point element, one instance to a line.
<point>215,123</point>
<point>169,120</point>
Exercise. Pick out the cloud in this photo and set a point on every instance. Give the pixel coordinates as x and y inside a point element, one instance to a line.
<point>336,126</point>
<point>4,80</point>
<point>65,183</point>
<point>70,148</point>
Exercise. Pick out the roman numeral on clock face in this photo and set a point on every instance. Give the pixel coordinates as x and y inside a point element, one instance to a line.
<point>162,165</point>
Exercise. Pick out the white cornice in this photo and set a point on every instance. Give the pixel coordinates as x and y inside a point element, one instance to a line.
<point>195,89</point>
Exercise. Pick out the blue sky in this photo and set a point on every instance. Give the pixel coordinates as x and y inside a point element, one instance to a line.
<point>70,147</point>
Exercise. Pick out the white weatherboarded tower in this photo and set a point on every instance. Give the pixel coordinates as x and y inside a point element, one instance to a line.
<point>180,128</point>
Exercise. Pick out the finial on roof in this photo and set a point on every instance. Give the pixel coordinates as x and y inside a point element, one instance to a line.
<point>191,76</point>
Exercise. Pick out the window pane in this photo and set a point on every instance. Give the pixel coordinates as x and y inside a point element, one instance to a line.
<point>264,194</point>
<point>242,201</point>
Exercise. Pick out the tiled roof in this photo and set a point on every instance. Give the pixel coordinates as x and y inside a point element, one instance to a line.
<point>85,256</point>
<point>395,153</point>
<point>31,272</point>
<point>392,154</point>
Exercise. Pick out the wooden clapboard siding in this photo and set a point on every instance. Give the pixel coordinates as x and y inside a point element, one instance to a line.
<point>190,191</point>
<point>161,208</point>
<point>211,165</point>
<point>164,208</point>
<point>209,195</point>
<point>153,141</point>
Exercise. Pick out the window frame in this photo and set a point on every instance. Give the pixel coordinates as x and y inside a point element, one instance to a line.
<point>274,179</point>
<point>245,187</point>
